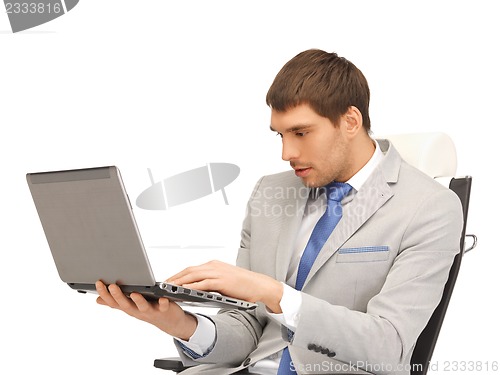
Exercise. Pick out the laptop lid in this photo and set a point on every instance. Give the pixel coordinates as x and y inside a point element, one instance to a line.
<point>88,222</point>
<point>92,234</point>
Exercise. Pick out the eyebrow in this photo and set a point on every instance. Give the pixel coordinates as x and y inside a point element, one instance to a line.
<point>293,128</point>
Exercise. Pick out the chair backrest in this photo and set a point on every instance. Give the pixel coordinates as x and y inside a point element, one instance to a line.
<point>432,153</point>
<point>435,154</point>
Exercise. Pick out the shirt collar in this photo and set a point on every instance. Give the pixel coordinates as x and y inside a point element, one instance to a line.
<point>362,175</point>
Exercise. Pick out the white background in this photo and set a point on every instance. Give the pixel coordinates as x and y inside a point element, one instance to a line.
<point>175,85</point>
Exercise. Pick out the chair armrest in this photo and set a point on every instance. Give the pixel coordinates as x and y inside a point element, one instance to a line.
<point>171,363</point>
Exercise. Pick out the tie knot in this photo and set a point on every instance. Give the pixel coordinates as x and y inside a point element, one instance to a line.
<point>337,191</point>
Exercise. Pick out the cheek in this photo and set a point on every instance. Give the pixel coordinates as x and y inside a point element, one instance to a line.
<point>327,151</point>
<point>331,159</point>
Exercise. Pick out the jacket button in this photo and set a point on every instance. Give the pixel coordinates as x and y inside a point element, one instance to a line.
<point>324,351</point>
<point>332,354</point>
<point>247,362</point>
<point>311,347</point>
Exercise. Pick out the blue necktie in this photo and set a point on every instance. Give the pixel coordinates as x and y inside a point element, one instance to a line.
<point>324,227</point>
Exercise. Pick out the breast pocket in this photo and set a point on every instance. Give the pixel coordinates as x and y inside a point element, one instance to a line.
<point>363,254</point>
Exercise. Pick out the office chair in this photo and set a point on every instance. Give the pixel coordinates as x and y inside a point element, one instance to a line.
<point>435,155</point>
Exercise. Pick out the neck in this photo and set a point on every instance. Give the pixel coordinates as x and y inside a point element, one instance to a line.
<point>362,149</point>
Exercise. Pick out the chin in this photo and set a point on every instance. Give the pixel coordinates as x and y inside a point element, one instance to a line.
<point>317,183</point>
<point>310,183</point>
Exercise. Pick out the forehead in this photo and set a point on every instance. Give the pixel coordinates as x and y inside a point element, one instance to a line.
<point>298,117</point>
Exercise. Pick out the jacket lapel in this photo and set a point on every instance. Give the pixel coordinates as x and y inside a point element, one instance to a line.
<point>374,193</point>
<point>290,224</point>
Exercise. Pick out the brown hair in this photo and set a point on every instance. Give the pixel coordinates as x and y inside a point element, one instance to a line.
<point>328,83</point>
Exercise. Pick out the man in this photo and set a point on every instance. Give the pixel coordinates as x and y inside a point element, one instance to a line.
<point>358,301</point>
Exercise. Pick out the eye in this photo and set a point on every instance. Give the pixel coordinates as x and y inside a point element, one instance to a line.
<point>300,134</point>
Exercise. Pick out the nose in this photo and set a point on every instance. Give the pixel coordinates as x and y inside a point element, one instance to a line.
<point>289,151</point>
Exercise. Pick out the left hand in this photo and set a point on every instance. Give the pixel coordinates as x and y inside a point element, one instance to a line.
<point>164,314</point>
<point>232,281</point>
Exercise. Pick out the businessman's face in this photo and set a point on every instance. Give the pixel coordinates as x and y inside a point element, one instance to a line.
<point>317,150</point>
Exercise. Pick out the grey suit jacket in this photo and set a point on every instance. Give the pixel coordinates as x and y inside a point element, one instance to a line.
<point>372,288</point>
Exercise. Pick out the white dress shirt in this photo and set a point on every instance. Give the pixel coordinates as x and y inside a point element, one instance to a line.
<point>203,338</point>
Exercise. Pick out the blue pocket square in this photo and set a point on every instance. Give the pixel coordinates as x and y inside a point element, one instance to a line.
<point>363,254</point>
<point>365,249</point>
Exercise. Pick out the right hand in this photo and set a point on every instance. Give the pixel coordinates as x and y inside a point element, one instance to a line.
<point>164,314</point>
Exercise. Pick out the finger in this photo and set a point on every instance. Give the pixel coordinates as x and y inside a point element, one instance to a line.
<point>195,275</point>
<point>123,301</point>
<point>141,303</point>
<point>180,275</point>
<point>100,301</point>
<point>163,304</point>
<point>208,285</point>
<point>192,271</point>
<point>104,297</point>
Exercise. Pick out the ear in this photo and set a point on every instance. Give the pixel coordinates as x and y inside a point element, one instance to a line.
<point>353,121</point>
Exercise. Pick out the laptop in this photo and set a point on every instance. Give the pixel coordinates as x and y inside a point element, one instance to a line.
<point>92,234</point>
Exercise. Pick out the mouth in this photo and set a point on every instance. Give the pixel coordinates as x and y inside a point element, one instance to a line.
<point>302,172</point>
